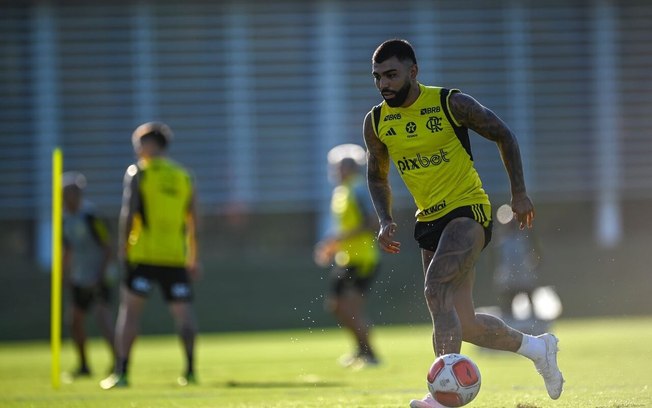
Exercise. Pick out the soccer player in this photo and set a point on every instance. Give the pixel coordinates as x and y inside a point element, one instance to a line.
<point>424,131</point>
<point>350,247</point>
<point>86,258</point>
<point>518,258</point>
<point>157,241</point>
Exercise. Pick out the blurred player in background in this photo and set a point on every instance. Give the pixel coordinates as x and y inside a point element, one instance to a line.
<point>350,248</point>
<point>424,131</point>
<point>523,302</point>
<point>517,261</point>
<point>157,242</point>
<point>86,260</point>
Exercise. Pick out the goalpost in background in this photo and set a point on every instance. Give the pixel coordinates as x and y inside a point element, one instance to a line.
<point>56,283</point>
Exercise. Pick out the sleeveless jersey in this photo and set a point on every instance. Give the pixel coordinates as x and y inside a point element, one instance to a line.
<point>158,233</point>
<point>431,152</point>
<point>348,212</point>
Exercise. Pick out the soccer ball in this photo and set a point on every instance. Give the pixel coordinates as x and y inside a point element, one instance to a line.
<point>454,380</point>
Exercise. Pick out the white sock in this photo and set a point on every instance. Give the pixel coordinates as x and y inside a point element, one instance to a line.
<point>532,347</point>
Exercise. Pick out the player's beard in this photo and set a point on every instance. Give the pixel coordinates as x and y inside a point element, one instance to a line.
<point>399,96</point>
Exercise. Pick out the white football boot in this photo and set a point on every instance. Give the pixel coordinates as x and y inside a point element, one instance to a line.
<point>427,402</point>
<point>547,367</point>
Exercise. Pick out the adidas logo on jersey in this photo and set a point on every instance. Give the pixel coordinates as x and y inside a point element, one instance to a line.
<point>391,132</point>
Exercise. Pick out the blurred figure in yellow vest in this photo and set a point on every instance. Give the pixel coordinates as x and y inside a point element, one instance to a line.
<point>157,242</point>
<point>350,249</point>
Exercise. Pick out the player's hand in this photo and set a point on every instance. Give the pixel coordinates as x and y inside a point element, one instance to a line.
<point>325,251</point>
<point>523,210</point>
<point>385,238</point>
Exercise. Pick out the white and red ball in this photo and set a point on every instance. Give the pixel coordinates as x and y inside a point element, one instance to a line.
<point>454,380</point>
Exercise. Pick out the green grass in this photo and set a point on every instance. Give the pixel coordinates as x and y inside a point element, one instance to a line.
<point>606,363</point>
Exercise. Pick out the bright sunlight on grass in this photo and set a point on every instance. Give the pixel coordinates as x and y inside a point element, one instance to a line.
<point>605,361</point>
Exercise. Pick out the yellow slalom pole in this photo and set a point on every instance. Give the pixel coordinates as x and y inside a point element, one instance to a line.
<point>55,306</point>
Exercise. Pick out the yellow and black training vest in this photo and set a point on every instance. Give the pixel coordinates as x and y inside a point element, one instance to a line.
<point>158,234</point>
<point>432,154</point>
<point>359,249</point>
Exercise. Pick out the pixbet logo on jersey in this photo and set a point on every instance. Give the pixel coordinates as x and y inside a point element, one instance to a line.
<point>420,161</point>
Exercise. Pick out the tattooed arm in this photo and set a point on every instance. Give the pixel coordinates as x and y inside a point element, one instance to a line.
<point>471,114</point>
<point>379,188</point>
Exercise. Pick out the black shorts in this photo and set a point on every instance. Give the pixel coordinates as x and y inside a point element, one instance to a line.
<point>173,281</point>
<point>84,297</point>
<point>350,277</point>
<point>428,233</point>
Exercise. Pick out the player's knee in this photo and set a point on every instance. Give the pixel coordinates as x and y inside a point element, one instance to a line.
<point>436,294</point>
<point>431,291</point>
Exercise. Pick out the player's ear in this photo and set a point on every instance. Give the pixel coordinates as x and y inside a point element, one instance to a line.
<point>414,70</point>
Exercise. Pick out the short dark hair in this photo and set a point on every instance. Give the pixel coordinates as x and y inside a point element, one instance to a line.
<point>156,137</point>
<point>396,47</point>
<point>158,132</point>
<point>350,163</point>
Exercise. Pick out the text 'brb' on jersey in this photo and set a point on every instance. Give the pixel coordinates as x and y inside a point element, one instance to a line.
<point>158,235</point>
<point>431,152</point>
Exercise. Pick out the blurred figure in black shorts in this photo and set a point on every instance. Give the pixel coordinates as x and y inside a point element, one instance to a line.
<point>86,258</point>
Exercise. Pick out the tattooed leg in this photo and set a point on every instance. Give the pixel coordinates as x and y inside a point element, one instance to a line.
<point>445,272</point>
<point>482,329</point>
<point>493,333</point>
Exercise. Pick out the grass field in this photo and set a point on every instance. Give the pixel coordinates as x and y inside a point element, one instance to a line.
<point>606,363</point>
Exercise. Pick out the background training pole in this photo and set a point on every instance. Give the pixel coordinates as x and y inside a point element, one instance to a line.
<point>55,306</point>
